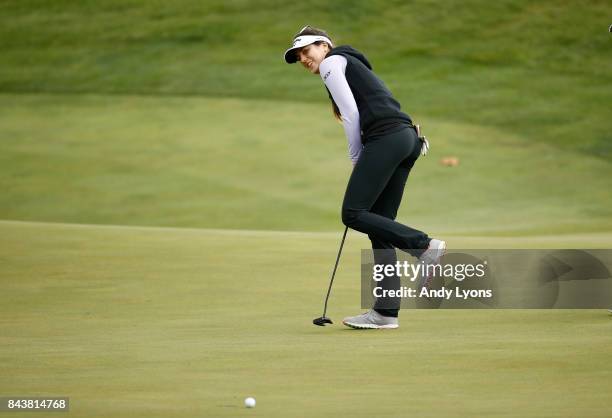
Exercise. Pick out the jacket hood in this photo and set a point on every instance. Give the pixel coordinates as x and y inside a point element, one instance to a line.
<point>349,50</point>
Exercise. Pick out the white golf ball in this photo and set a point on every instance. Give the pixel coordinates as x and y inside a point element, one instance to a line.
<point>249,402</point>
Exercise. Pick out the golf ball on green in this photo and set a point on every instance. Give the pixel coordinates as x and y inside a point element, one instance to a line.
<point>249,402</point>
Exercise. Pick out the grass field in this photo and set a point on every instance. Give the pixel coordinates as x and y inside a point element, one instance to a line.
<point>131,321</point>
<point>531,68</point>
<point>171,191</point>
<point>229,163</point>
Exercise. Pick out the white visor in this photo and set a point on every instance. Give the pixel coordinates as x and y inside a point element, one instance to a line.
<point>302,41</point>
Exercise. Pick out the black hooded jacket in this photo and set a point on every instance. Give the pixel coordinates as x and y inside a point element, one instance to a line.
<point>379,112</point>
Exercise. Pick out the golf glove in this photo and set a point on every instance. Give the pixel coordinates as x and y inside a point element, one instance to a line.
<point>424,141</point>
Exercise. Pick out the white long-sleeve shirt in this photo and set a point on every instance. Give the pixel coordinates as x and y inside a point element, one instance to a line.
<point>332,71</point>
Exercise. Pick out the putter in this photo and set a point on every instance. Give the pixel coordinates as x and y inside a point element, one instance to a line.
<point>321,321</point>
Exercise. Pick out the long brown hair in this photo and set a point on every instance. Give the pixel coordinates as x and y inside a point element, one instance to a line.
<point>309,30</point>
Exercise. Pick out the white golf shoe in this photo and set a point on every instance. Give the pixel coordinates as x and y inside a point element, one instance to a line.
<point>371,320</point>
<point>431,257</point>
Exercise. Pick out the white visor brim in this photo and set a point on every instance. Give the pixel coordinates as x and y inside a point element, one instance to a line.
<point>302,41</point>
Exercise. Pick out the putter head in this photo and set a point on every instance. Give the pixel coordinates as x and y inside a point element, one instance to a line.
<point>321,321</point>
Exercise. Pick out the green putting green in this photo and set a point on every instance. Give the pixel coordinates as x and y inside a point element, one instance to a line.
<point>131,321</point>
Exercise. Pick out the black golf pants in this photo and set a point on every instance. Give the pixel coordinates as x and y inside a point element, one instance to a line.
<point>372,198</point>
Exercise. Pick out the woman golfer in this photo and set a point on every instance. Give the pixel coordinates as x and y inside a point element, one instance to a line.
<point>383,146</point>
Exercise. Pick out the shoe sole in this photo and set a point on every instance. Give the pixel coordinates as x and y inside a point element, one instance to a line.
<point>370,326</point>
<point>442,250</point>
